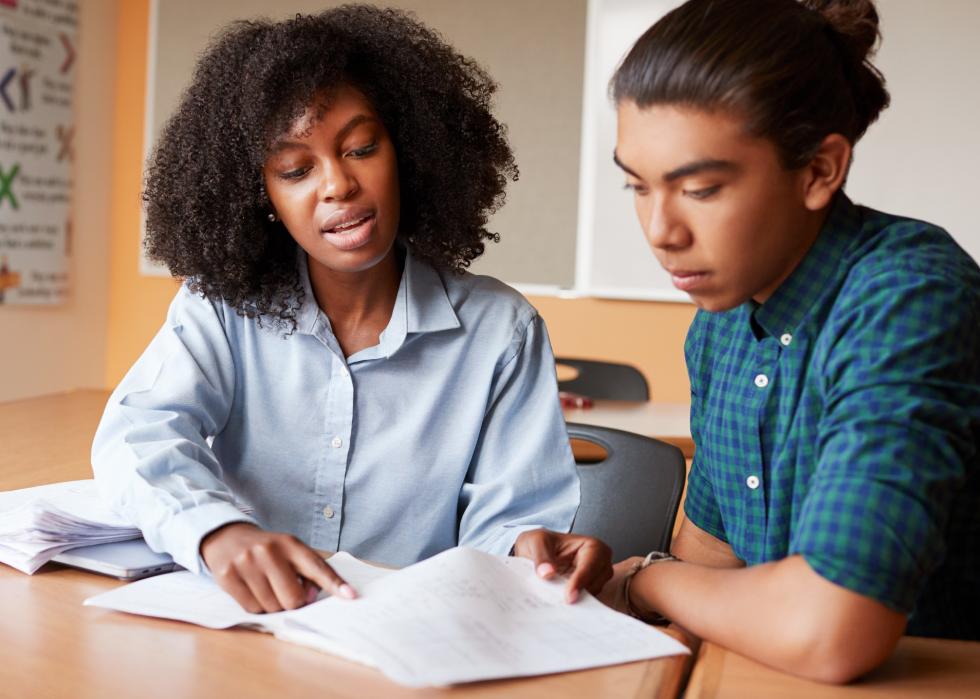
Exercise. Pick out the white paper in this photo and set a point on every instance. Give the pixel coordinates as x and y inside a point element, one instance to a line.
<point>461,616</point>
<point>36,524</point>
<point>464,616</point>
<point>197,599</point>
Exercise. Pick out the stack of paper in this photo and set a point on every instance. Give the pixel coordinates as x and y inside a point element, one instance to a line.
<point>36,524</point>
<point>461,616</point>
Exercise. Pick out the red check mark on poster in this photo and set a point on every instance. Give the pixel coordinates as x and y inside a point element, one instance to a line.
<point>69,52</point>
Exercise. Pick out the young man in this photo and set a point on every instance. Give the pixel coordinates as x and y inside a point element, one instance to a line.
<point>834,499</point>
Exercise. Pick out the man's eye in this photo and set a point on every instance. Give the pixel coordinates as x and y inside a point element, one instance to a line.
<point>635,188</point>
<point>701,194</point>
<point>363,151</point>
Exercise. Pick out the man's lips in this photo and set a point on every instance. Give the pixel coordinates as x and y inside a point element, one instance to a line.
<point>687,279</point>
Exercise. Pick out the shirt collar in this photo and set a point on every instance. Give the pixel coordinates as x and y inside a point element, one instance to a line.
<point>421,305</point>
<point>815,276</point>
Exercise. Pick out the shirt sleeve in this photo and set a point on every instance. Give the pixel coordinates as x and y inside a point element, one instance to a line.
<point>700,502</point>
<point>523,474</point>
<point>151,456</point>
<point>896,438</point>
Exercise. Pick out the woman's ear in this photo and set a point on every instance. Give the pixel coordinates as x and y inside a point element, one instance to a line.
<point>826,172</point>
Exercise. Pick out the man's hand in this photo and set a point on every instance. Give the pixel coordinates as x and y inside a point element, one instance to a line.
<point>268,571</point>
<point>587,561</point>
<point>613,592</point>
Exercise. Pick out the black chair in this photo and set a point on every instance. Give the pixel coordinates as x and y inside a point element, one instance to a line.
<point>629,499</point>
<point>604,380</point>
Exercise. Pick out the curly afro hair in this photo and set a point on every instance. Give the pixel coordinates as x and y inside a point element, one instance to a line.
<point>206,207</point>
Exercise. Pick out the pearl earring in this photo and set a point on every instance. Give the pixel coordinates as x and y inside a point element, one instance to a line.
<point>272,217</point>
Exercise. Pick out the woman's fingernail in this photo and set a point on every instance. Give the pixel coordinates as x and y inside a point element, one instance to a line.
<point>546,570</point>
<point>572,596</point>
<point>347,591</point>
<point>312,594</point>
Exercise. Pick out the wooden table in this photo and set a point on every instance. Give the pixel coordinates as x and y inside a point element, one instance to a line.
<point>52,646</point>
<point>920,668</point>
<point>669,422</point>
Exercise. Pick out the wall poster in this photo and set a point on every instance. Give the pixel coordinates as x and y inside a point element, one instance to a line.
<point>37,67</point>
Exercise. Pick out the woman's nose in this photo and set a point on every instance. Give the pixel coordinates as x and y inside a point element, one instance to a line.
<point>337,183</point>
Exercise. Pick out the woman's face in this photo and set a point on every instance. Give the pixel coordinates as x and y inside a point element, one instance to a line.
<point>333,181</point>
<point>722,215</point>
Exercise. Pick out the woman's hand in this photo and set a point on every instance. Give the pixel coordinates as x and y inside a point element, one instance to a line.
<point>268,571</point>
<point>613,593</point>
<point>587,561</point>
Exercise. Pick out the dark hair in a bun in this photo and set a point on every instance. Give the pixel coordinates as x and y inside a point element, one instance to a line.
<point>797,71</point>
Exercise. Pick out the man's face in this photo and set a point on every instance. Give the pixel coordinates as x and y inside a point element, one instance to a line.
<point>721,213</point>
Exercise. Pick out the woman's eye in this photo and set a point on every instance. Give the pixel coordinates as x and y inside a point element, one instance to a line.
<point>635,188</point>
<point>294,174</point>
<point>363,151</point>
<point>701,194</point>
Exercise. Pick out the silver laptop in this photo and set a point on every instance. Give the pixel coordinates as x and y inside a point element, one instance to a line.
<point>126,560</point>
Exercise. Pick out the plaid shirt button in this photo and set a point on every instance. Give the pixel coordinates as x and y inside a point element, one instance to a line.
<point>761,380</point>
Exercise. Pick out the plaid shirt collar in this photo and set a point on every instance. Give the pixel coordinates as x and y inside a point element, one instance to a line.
<point>818,275</point>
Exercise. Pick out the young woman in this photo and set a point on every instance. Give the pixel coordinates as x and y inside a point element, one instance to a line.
<point>833,501</point>
<point>328,362</point>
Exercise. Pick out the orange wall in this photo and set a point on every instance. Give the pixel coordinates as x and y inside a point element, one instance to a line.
<point>137,304</point>
<point>648,335</point>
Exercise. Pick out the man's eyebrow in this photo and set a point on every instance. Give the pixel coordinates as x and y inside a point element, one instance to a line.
<point>623,167</point>
<point>699,166</point>
<point>281,144</point>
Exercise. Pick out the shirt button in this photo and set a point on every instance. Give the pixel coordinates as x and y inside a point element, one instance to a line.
<point>761,380</point>
<point>336,442</point>
<point>328,512</point>
<point>752,482</point>
<point>786,339</point>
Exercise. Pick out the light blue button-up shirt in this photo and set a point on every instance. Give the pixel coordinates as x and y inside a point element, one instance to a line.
<point>448,431</point>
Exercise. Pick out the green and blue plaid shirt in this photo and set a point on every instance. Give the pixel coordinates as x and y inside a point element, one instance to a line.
<point>840,420</point>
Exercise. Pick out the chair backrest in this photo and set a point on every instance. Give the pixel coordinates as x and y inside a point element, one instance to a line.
<point>604,380</point>
<point>630,499</point>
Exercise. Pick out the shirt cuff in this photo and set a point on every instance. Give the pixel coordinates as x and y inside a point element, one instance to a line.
<point>181,536</point>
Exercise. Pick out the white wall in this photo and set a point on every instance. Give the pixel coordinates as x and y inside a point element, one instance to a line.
<point>921,158</point>
<point>58,348</point>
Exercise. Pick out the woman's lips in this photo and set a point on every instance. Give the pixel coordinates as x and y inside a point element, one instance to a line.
<point>686,280</point>
<point>351,235</point>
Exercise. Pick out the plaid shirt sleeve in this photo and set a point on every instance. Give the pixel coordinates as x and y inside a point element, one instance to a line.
<point>895,441</point>
<point>700,503</point>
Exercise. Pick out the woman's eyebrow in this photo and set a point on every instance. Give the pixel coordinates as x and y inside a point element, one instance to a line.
<point>281,144</point>
<point>352,124</point>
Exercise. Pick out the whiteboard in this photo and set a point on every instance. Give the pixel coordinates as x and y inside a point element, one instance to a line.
<point>919,160</point>
<point>613,259</point>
